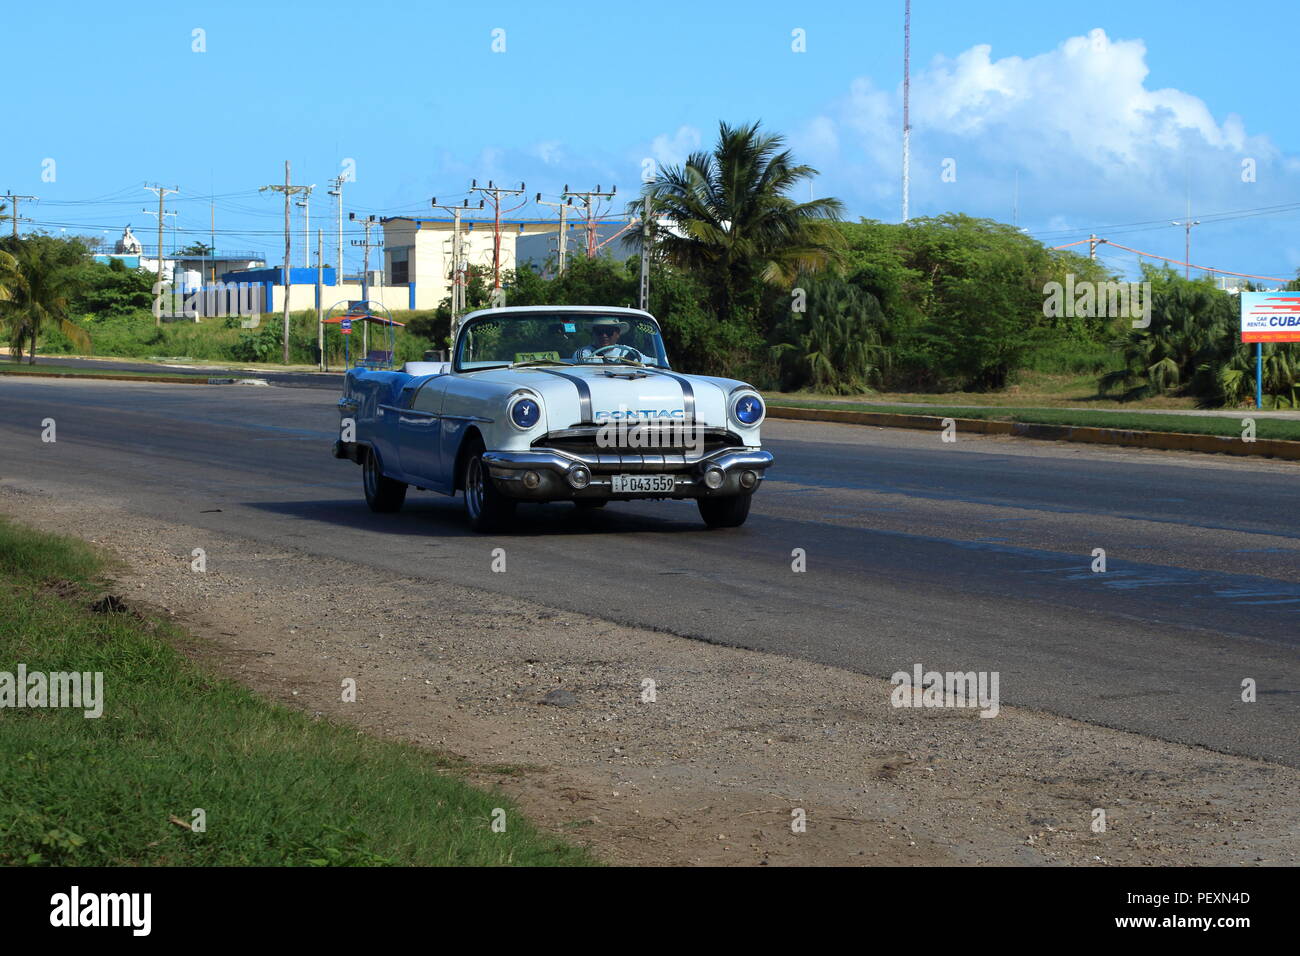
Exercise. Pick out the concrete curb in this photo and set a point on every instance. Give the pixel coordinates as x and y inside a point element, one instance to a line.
<point>1172,441</point>
<point>168,379</point>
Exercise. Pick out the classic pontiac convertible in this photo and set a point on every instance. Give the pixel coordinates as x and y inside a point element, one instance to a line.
<point>549,403</point>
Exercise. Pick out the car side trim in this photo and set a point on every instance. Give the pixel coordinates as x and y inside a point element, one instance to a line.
<point>436,415</point>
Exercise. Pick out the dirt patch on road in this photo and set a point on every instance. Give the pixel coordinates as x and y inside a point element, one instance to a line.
<point>715,762</point>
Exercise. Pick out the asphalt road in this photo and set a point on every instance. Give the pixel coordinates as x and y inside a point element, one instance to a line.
<point>975,555</point>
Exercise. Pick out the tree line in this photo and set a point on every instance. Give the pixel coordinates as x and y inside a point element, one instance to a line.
<point>750,283</point>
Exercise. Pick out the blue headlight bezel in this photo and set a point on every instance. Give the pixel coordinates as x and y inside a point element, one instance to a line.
<point>515,405</point>
<point>762,409</point>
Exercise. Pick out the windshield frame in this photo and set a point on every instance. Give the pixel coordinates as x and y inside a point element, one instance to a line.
<point>466,326</point>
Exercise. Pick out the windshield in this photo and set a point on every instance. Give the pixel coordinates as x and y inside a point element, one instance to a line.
<point>559,338</point>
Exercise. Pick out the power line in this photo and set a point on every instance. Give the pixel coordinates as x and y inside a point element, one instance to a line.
<point>1178,262</point>
<point>289,192</point>
<point>1161,223</point>
<point>588,198</point>
<point>13,203</point>
<point>337,182</point>
<point>162,192</point>
<point>562,243</point>
<point>458,303</point>
<point>496,192</point>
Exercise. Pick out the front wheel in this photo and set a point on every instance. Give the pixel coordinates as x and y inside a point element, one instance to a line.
<point>382,494</point>
<point>728,512</point>
<point>487,508</point>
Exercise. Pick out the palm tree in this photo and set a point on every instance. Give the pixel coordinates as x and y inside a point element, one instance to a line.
<point>1193,347</point>
<point>732,222</point>
<point>9,279</point>
<point>1190,321</point>
<point>36,281</point>
<point>837,345</point>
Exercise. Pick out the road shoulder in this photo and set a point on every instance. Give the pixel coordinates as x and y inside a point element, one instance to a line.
<point>551,706</point>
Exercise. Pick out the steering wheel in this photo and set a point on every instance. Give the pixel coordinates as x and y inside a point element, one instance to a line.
<point>626,350</point>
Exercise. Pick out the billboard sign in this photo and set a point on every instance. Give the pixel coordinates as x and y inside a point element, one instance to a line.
<point>1270,316</point>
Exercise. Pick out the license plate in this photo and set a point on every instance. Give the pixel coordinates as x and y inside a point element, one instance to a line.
<point>641,484</point>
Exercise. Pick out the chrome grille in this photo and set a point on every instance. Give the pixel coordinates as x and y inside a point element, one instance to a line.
<point>647,447</point>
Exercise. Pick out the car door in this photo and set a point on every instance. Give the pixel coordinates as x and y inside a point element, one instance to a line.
<point>419,434</point>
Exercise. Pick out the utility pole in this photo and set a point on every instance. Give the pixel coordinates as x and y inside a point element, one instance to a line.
<point>368,222</point>
<point>645,253</point>
<point>496,192</point>
<point>305,205</point>
<point>1187,244</point>
<point>907,92</point>
<point>320,301</point>
<point>306,231</point>
<point>289,191</point>
<point>588,200</point>
<point>457,263</point>
<point>337,182</point>
<point>562,244</point>
<point>162,192</point>
<point>212,224</point>
<point>13,202</point>
<point>1092,246</point>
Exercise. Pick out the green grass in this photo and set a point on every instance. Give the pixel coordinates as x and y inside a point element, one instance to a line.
<point>278,788</point>
<point>1227,424</point>
<point>1031,389</point>
<point>224,340</point>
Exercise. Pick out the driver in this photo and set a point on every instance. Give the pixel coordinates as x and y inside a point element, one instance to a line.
<point>605,345</point>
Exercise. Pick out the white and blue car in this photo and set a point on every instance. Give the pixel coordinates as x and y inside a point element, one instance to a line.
<point>554,403</point>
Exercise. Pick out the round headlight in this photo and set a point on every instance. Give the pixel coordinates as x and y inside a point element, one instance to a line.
<point>525,413</point>
<point>749,410</point>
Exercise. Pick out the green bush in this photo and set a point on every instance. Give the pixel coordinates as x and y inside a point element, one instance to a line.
<point>962,301</point>
<point>835,345</point>
<point>1193,348</point>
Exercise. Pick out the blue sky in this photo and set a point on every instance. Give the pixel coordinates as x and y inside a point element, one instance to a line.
<point>1108,112</point>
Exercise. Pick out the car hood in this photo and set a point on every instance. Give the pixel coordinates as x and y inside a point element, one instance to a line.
<point>575,394</point>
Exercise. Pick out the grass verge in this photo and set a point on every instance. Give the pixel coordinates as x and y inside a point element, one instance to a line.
<point>277,787</point>
<point>45,370</point>
<point>1229,424</point>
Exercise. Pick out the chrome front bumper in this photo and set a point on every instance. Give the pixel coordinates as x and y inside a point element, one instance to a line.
<point>544,474</point>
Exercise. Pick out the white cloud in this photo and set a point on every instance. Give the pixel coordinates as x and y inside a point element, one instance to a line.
<point>551,152</point>
<point>672,150</point>
<point>1082,107</point>
<point>1090,141</point>
<point>1087,100</point>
